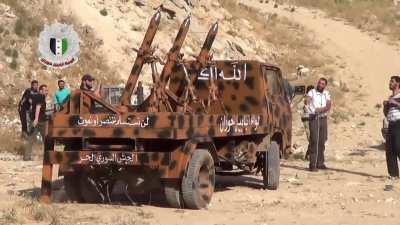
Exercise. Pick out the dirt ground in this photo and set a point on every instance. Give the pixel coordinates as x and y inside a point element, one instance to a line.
<point>355,190</point>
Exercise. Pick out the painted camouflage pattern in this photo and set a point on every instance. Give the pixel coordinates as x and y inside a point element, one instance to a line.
<point>182,114</point>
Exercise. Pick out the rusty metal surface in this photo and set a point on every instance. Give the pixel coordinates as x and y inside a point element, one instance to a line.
<point>232,108</point>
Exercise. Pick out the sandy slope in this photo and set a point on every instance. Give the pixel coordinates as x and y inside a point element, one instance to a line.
<point>365,57</point>
<point>354,191</point>
<point>105,30</point>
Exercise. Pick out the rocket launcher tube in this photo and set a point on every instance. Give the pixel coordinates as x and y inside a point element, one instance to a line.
<point>140,58</point>
<point>173,54</point>
<point>205,50</point>
<point>202,59</point>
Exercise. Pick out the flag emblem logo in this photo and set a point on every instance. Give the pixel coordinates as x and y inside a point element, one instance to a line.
<point>58,46</point>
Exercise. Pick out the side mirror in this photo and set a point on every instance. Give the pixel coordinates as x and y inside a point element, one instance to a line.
<point>302,89</point>
<point>299,90</point>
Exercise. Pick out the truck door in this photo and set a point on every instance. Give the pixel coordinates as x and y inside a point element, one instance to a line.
<point>273,93</point>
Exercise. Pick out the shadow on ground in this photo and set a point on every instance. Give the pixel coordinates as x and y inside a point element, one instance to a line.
<point>155,198</point>
<point>381,147</point>
<point>339,170</point>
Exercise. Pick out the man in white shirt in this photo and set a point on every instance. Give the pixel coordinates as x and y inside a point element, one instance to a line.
<point>319,101</point>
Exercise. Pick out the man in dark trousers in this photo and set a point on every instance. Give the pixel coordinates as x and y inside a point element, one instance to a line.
<point>24,106</point>
<point>38,118</point>
<point>139,93</point>
<point>319,101</point>
<point>391,110</point>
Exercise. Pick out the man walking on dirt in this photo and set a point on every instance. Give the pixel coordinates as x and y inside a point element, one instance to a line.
<point>38,118</point>
<point>391,110</point>
<point>24,106</point>
<point>319,101</point>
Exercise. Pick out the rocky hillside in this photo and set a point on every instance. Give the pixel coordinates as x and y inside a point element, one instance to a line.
<point>109,30</point>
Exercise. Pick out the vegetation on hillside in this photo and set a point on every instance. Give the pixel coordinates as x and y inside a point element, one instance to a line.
<point>380,16</point>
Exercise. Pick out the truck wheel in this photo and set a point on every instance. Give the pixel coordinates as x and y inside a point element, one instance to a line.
<point>72,187</point>
<point>198,181</point>
<point>271,170</point>
<point>173,194</point>
<point>91,189</point>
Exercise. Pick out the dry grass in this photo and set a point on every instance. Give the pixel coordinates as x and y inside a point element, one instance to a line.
<point>293,42</point>
<point>19,42</point>
<point>372,15</point>
<point>10,141</point>
<point>26,210</point>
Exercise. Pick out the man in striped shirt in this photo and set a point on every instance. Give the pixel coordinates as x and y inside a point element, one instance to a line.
<point>391,110</point>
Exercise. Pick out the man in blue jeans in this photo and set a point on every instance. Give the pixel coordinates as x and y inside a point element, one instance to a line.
<point>61,95</point>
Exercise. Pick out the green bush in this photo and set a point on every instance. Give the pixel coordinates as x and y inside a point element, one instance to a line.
<point>104,12</point>
<point>35,27</point>
<point>14,64</point>
<point>19,27</point>
<point>15,53</point>
<point>8,52</point>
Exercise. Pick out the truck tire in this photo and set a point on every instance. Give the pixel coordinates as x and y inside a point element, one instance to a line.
<point>271,170</point>
<point>173,194</point>
<point>199,180</point>
<point>72,187</point>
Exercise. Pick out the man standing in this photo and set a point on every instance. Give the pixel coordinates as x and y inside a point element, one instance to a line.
<point>61,95</point>
<point>24,106</point>
<point>320,103</point>
<point>305,118</point>
<point>139,93</point>
<point>38,118</point>
<point>391,110</point>
<point>87,84</point>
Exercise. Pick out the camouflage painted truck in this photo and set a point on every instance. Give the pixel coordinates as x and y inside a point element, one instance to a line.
<point>203,117</point>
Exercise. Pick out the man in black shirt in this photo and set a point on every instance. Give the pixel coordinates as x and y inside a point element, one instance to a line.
<point>38,118</point>
<point>24,106</point>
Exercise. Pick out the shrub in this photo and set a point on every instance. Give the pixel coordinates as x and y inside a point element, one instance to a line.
<point>15,53</point>
<point>104,12</point>
<point>19,27</point>
<point>14,64</point>
<point>8,52</point>
<point>339,116</point>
